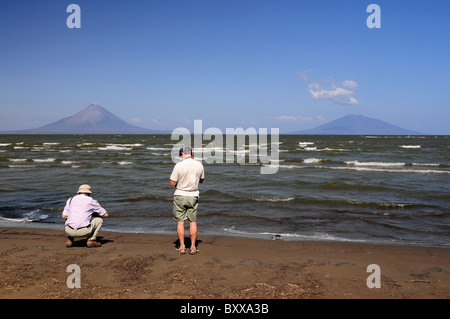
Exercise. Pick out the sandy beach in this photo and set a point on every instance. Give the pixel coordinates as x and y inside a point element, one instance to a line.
<point>34,266</point>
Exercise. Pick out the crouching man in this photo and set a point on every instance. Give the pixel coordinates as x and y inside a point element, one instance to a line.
<point>80,221</point>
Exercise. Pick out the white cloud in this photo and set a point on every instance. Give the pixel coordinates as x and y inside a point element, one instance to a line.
<point>352,85</point>
<point>341,93</point>
<point>336,94</point>
<point>285,118</point>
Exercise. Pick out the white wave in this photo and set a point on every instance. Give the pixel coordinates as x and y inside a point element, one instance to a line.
<point>48,143</point>
<point>426,164</point>
<point>17,159</point>
<point>214,149</point>
<point>160,154</point>
<point>69,162</point>
<point>357,163</point>
<point>128,145</point>
<point>368,169</point>
<point>386,170</point>
<point>43,160</point>
<point>21,166</point>
<point>159,148</point>
<point>125,163</point>
<point>410,146</point>
<point>395,205</point>
<point>290,236</point>
<point>124,145</point>
<point>291,166</point>
<point>334,149</point>
<point>14,220</point>
<point>312,160</point>
<point>115,148</point>
<point>5,144</point>
<point>267,199</point>
<point>315,149</point>
<point>266,159</point>
<point>35,215</point>
<point>239,152</point>
<point>303,144</point>
<point>27,218</point>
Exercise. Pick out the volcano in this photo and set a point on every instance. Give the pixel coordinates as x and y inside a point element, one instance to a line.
<point>357,125</point>
<point>94,119</point>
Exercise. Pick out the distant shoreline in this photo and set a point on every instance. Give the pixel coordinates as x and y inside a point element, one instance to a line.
<point>281,134</point>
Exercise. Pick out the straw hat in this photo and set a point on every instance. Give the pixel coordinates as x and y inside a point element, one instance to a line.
<point>84,189</point>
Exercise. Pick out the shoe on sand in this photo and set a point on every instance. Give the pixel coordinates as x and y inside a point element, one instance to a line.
<point>193,251</point>
<point>93,243</point>
<point>182,250</point>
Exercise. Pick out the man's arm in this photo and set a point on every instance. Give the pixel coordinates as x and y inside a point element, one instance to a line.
<point>202,176</point>
<point>65,213</point>
<point>98,210</point>
<point>173,183</point>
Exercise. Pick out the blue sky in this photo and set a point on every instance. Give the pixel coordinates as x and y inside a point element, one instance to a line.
<point>282,64</point>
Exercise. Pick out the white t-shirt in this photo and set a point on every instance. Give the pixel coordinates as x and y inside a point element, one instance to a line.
<point>187,174</point>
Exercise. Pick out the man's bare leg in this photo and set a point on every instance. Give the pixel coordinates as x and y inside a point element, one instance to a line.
<point>180,232</point>
<point>193,233</point>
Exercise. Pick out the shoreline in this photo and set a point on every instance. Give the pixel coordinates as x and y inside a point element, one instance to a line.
<point>249,236</point>
<point>146,266</point>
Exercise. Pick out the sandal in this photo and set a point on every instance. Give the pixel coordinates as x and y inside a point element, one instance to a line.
<point>193,251</point>
<point>181,250</point>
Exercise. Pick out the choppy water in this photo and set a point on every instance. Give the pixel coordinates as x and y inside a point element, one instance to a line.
<point>375,189</point>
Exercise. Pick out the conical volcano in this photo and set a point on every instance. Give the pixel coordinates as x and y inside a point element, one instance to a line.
<point>94,119</point>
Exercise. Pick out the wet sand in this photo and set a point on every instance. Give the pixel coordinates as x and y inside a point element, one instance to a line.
<point>34,266</point>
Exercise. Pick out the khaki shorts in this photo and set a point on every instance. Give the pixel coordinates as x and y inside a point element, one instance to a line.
<point>185,207</point>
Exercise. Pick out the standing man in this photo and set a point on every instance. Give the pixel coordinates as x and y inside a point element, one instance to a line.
<point>79,221</point>
<point>185,177</point>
